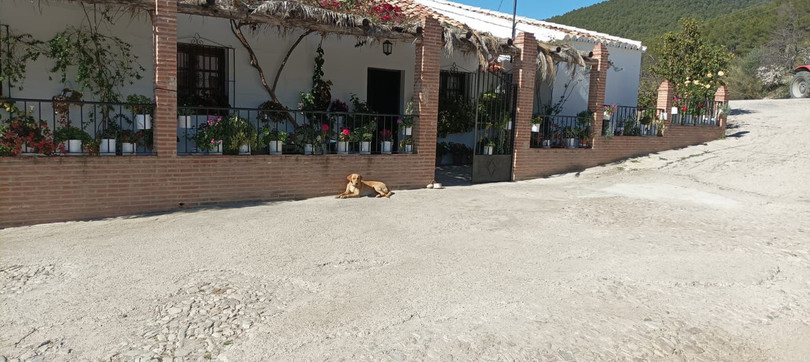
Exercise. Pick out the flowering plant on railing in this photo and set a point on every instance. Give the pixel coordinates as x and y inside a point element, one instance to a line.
<point>339,106</point>
<point>345,135</point>
<point>25,131</point>
<point>386,135</point>
<point>324,135</point>
<point>610,109</point>
<point>210,134</point>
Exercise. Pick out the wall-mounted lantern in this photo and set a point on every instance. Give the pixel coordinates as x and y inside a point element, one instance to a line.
<point>388,47</point>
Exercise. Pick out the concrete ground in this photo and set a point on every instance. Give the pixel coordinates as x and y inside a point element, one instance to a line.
<point>701,253</point>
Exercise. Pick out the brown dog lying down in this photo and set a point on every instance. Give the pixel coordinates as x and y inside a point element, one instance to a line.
<point>357,187</point>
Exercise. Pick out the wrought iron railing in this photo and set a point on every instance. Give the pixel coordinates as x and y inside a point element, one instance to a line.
<point>696,112</point>
<point>561,132</point>
<point>38,126</point>
<point>70,127</point>
<point>633,121</point>
<point>205,130</point>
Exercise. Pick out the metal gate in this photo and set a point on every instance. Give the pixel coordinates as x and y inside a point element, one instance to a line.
<point>494,126</point>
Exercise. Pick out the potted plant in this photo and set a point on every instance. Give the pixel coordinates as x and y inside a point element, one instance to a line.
<point>571,135</point>
<point>489,147</point>
<point>343,141</point>
<point>364,134</point>
<point>146,137</point>
<point>63,101</point>
<point>141,107</point>
<point>128,141</point>
<point>272,111</point>
<point>239,136</point>
<point>304,137</point>
<point>275,139</point>
<point>537,123</point>
<point>608,112</point>
<point>107,138</point>
<point>185,117</point>
<point>322,138</point>
<point>406,122</point>
<point>387,138</point>
<point>209,135</point>
<point>406,145</point>
<point>339,110</point>
<point>72,138</point>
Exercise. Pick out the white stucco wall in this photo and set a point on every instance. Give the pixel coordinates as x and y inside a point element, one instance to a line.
<point>345,65</point>
<point>622,80</point>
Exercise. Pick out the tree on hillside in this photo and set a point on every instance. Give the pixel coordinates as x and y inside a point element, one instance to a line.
<point>695,66</point>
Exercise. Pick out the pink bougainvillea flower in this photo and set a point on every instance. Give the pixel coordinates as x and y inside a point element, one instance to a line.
<point>324,127</point>
<point>399,120</point>
<point>345,132</point>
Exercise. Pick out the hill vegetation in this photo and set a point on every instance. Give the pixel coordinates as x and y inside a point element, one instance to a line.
<point>767,37</point>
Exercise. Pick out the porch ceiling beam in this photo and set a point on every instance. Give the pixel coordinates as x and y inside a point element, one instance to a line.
<point>309,24</point>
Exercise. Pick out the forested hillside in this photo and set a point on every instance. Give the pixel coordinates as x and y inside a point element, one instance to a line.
<point>647,19</point>
<point>767,37</point>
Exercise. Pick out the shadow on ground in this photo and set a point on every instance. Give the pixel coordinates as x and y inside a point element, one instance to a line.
<point>452,175</point>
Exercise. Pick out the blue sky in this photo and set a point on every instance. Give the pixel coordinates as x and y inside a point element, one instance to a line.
<point>537,9</point>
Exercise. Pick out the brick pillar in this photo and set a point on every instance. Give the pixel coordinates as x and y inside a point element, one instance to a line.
<point>525,71</point>
<point>722,96</point>
<point>164,32</point>
<point>666,92</point>
<point>597,87</point>
<point>426,89</point>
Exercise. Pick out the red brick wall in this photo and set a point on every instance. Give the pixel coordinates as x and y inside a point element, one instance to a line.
<point>598,86</point>
<point>47,189</point>
<point>525,72</point>
<point>545,162</point>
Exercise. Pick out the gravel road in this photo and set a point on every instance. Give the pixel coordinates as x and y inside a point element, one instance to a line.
<point>701,253</point>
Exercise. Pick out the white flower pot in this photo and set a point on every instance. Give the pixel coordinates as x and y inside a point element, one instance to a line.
<point>606,116</point>
<point>509,125</point>
<point>409,149</point>
<point>546,144</point>
<point>343,147</point>
<point>143,121</point>
<point>217,150</point>
<point>127,148</point>
<point>365,148</point>
<point>185,122</point>
<point>276,147</point>
<point>107,147</point>
<point>407,131</point>
<point>488,150</point>
<point>73,146</point>
<point>571,143</point>
<point>308,149</point>
<point>386,146</point>
<point>244,149</point>
<point>535,127</point>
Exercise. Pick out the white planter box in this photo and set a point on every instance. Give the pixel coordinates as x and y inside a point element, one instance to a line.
<point>73,146</point>
<point>127,148</point>
<point>107,147</point>
<point>143,121</point>
<point>571,143</point>
<point>605,116</point>
<point>342,147</point>
<point>409,149</point>
<point>386,146</point>
<point>407,131</point>
<point>365,148</point>
<point>185,122</point>
<point>276,147</point>
<point>536,128</point>
<point>488,150</point>
<point>308,149</point>
<point>244,149</point>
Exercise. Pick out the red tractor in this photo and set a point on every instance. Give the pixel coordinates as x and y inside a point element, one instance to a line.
<point>800,86</point>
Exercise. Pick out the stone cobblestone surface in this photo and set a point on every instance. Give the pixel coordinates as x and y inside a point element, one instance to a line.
<point>698,254</point>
